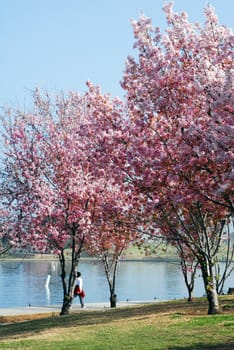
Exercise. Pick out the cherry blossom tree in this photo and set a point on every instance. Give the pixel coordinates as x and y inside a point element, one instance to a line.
<point>171,157</point>
<point>180,152</point>
<point>55,159</point>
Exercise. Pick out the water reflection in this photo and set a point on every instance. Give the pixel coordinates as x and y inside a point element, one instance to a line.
<point>28,282</point>
<point>48,298</point>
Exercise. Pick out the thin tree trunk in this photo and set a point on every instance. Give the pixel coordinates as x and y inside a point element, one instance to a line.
<point>189,282</point>
<point>110,271</point>
<point>190,294</point>
<point>210,287</point>
<point>113,299</point>
<point>213,301</point>
<point>228,268</point>
<point>67,300</point>
<point>68,288</point>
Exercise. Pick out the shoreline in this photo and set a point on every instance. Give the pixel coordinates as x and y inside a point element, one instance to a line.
<point>50,257</point>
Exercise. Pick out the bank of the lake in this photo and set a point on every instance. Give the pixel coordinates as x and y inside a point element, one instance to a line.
<point>173,325</point>
<point>147,252</point>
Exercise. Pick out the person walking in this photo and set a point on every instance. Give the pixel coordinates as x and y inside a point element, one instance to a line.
<point>79,290</point>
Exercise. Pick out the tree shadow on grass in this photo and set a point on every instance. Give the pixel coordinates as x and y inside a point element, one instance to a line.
<point>202,346</point>
<point>25,326</point>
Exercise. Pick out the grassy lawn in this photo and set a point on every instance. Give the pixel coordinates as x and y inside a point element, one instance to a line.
<point>172,325</point>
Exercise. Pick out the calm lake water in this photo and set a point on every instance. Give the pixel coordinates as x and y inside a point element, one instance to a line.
<point>24,283</point>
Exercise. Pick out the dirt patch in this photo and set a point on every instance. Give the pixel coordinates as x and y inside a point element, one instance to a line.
<point>25,318</point>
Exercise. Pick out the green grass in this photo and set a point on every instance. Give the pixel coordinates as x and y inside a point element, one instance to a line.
<point>174,325</point>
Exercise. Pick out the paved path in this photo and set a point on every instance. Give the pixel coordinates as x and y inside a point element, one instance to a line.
<point>29,310</point>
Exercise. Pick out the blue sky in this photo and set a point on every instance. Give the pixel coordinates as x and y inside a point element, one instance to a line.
<point>60,44</point>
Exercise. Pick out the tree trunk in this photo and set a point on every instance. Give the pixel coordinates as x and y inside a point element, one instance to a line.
<point>188,268</point>
<point>209,280</point>
<point>67,301</point>
<point>190,294</point>
<point>212,297</point>
<point>113,300</point>
<point>110,269</point>
<point>69,287</point>
<point>228,267</point>
<point>189,285</point>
